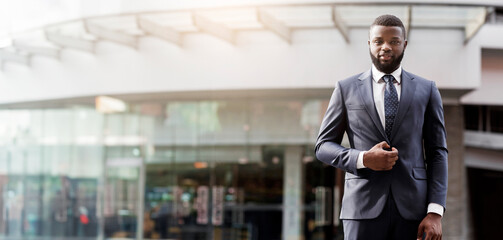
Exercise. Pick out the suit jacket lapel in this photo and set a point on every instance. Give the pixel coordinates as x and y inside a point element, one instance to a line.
<point>406,97</point>
<point>367,96</point>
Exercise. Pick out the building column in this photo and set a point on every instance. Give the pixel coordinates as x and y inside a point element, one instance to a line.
<point>455,221</point>
<point>292,194</point>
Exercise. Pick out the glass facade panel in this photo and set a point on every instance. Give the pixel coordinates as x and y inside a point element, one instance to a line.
<point>208,169</point>
<point>49,174</point>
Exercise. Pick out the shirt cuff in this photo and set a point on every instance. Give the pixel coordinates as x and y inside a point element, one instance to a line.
<point>359,161</point>
<point>436,208</point>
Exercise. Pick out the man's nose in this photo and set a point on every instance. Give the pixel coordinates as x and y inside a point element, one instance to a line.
<point>386,47</point>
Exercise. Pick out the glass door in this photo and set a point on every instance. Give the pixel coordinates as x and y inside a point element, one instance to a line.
<point>221,196</point>
<point>178,201</point>
<point>322,199</point>
<point>123,198</point>
<point>275,191</point>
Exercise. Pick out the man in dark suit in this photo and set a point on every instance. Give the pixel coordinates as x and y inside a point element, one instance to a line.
<point>396,166</point>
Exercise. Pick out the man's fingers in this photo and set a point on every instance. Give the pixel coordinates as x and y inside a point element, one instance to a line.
<point>428,236</point>
<point>383,144</point>
<point>431,234</point>
<point>392,154</point>
<point>420,232</point>
<point>391,157</point>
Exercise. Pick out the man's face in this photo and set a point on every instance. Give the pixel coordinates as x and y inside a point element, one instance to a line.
<point>387,45</point>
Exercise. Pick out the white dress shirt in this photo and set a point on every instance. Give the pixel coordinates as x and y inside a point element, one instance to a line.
<point>378,87</point>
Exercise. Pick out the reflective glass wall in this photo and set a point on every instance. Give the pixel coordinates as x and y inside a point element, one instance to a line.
<point>206,169</point>
<point>50,166</point>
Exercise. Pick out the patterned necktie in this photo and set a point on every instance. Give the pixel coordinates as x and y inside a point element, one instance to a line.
<point>390,103</point>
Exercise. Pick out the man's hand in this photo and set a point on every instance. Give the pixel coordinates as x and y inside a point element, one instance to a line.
<point>379,159</point>
<point>431,226</point>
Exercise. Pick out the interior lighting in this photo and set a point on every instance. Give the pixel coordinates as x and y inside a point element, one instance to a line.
<point>307,159</point>
<point>199,165</point>
<point>243,160</point>
<point>106,104</point>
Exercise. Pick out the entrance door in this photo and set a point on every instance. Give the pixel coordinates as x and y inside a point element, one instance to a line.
<point>273,192</point>
<point>123,198</point>
<point>177,201</point>
<point>235,192</point>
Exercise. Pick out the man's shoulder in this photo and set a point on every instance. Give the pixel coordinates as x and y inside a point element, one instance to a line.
<point>352,79</point>
<point>416,77</point>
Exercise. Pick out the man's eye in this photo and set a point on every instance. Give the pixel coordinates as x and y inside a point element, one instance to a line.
<point>377,42</point>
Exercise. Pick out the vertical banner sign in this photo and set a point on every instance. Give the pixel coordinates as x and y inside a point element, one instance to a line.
<point>109,208</point>
<point>202,205</point>
<point>177,192</point>
<point>323,208</point>
<point>320,207</point>
<point>217,217</point>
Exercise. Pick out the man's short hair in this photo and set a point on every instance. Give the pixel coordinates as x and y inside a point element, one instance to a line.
<point>388,20</point>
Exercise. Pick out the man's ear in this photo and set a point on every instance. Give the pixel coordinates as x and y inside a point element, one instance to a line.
<point>368,42</point>
<point>405,45</point>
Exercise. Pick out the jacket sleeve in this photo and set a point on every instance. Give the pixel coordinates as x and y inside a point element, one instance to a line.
<point>435,146</point>
<point>328,145</point>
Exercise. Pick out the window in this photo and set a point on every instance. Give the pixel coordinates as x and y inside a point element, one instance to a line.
<point>496,119</point>
<point>472,116</point>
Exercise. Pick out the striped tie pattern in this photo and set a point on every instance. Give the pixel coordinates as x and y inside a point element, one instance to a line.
<point>390,103</point>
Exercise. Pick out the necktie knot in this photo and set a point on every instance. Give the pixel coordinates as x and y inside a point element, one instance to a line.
<point>388,78</point>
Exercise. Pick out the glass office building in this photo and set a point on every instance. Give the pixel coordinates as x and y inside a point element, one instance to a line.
<point>201,169</point>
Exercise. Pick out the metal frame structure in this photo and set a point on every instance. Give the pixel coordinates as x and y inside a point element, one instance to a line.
<point>225,23</point>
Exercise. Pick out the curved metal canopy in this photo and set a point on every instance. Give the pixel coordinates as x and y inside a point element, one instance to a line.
<point>225,23</point>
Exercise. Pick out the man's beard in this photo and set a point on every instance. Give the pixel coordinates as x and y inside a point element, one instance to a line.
<point>387,67</point>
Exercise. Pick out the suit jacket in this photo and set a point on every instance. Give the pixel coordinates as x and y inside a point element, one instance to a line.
<point>418,178</point>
